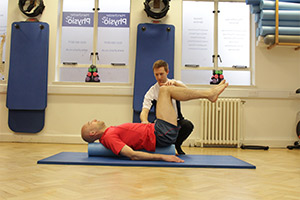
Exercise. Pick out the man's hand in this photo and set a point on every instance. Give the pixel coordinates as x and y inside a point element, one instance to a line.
<point>174,83</point>
<point>171,158</point>
<point>170,83</point>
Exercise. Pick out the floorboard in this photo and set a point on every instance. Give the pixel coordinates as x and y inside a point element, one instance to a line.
<point>277,176</point>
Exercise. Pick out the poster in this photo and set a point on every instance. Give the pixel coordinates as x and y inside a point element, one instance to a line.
<point>197,35</point>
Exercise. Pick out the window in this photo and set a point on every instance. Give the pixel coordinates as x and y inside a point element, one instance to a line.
<point>92,36</point>
<point>3,18</point>
<point>3,26</point>
<point>216,36</point>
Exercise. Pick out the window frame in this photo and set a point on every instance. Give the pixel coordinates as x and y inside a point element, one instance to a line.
<point>250,68</point>
<point>94,54</point>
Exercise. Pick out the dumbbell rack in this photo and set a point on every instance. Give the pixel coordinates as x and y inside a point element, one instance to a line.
<point>92,75</point>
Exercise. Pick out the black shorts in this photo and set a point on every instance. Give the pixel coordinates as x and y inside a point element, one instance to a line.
<point>166,133</point>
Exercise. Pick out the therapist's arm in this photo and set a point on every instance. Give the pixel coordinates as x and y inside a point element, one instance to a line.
<point>144,116</point>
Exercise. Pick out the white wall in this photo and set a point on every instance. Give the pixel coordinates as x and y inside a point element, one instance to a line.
<point>269,112</point>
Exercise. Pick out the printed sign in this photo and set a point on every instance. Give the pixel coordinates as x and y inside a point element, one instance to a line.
<point>197,33</point>
<point>118,20</point>
<point>78,19</point>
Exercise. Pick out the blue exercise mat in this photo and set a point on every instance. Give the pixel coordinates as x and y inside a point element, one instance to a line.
<point>291,15</point>
<point>269,30</point>
<point>154,42</point>
<point>28,76</point>
<point>256,17</point>
<point>257,2</point>
<point>270,5</point>
<point>255,9</point>
<point>281,23</point>
<point>26,121</point>
<point>195,161</point>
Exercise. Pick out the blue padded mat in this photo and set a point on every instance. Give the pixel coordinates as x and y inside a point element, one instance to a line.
<point>28,76</point>
<point>270,5</point>
<point>154,42</point>
<point>269,30</point>
<point>195,161</point>
<point>28,68</point>
<point>26,121</point>
<point>257,2</point>
<point>292,15</point>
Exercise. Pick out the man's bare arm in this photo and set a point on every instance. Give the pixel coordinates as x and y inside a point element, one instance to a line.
<point>139,155</point>
<point>144,116</point>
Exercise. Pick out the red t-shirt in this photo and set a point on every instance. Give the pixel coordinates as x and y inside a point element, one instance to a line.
<point>135,135</point>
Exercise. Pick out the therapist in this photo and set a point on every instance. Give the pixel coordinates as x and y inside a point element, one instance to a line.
<point>161,71</point>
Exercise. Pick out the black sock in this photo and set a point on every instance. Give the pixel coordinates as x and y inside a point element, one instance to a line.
<point>179,150</point>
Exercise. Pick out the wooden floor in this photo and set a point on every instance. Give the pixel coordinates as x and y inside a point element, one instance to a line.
<point>277,176</point>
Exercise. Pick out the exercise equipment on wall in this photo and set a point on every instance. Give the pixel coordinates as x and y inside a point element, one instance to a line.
<point>277,21</point>
<point>92,75</point>
<point>31,8</point>
<point>152,5</point>
<point>154,42</point>
<point>269,39</point>
<point>28,76</point>
<point>217,77</point>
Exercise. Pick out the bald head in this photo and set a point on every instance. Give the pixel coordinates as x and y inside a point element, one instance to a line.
<point>85,134</point>
<point>92,130</point>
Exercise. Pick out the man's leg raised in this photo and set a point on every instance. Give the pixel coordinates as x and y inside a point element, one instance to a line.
<point>185,94</point>
<point>165,110</point>
<point>164,107</point>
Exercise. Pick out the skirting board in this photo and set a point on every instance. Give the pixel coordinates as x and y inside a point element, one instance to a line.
<point>74,139</point>
<point>41,138</point>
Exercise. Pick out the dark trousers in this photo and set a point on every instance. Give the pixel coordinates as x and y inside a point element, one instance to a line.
<point>184,132</point>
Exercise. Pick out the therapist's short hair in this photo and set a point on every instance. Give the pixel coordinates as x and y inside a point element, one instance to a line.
<point>159,64</point>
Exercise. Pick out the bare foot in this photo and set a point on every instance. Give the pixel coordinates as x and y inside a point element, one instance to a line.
<point>216,91</point>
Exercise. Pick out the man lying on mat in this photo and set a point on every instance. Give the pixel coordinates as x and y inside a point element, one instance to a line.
<point>126,138</point>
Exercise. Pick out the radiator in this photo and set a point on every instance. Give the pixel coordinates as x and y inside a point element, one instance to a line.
<point>220,124</point>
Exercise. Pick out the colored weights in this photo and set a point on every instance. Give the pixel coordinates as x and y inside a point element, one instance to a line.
<point>217,77</point>
<point>92,75</point>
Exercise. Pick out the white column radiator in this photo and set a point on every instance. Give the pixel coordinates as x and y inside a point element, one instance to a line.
<point>220,124</point>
